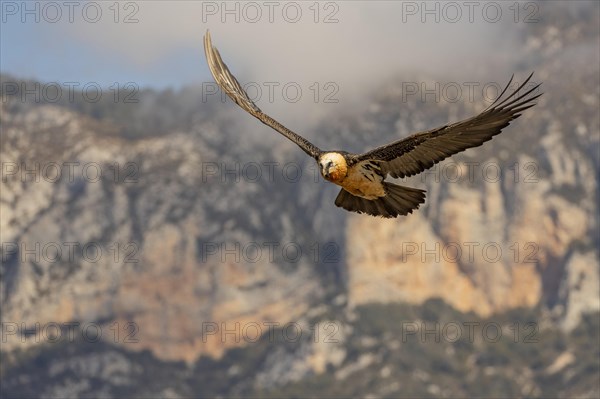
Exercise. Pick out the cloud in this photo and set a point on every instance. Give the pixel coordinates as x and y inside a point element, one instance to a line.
<point>338,49</point>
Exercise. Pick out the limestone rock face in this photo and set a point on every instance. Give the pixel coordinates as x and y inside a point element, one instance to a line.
<point>129,233</point>
<point>477,260</point>
<point>580,286</point>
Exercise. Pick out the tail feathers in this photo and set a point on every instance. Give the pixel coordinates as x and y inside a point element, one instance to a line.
<point>398,201</point>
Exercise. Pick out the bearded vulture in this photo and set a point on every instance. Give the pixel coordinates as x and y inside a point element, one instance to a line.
<point>362,176</point>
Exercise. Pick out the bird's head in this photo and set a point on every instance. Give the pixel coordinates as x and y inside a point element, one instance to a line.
<point>333,166</point>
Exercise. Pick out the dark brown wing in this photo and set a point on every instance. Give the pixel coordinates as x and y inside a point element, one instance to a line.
<point>234,90</point>
<point>421,151</point>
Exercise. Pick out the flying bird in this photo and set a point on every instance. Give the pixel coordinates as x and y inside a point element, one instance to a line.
<point>362,176</point>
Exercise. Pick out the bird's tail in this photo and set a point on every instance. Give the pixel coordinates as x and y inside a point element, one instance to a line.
<point>398,200</point>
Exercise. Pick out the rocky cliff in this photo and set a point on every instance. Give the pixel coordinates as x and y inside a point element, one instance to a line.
<point>163,234</point>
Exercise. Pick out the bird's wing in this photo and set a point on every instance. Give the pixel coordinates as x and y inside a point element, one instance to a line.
<point>421,151</point>
<point>234,90</point>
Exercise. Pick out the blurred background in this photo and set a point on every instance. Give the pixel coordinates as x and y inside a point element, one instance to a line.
<point>157,241</point>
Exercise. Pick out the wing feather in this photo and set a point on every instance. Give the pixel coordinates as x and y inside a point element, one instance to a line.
<point>421,151</point>
<point>235,91</point>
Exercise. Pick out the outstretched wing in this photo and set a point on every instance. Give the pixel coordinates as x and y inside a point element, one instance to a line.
<point>421,151</point>
<point>234,90</point>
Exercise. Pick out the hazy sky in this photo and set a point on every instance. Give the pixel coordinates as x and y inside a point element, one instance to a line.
<point>159,43</point>
<point>330,48</point>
